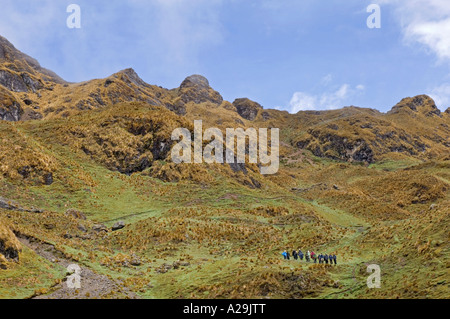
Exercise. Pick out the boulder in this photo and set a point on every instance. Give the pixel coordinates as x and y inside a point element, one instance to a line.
<point>118,225</point>
<point>48,179</point>
<point>100,228</point>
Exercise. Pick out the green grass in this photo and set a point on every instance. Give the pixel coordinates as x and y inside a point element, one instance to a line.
<point>33,273</point>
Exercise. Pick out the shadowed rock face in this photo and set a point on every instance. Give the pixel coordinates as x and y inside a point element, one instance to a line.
<point>10,109</point>
<point>19,83</point>
<point>12,82</point>
<point>337,147</point>
<point>247,108</point>
<point>9,245</point>
<point>195,88</point>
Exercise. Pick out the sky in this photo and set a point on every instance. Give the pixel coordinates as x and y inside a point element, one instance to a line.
<point>286,54</point>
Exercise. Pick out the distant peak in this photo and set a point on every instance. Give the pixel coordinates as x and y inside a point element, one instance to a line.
<point>195,80</point>
<point>419,104</point>
<point>130,75</point>
<point>128,71</point>
<point>195,88</point>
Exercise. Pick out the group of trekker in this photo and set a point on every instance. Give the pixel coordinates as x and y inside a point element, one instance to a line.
<point>310,255</point>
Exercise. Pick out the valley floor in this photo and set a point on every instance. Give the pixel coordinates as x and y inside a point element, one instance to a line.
<point>224,240</point>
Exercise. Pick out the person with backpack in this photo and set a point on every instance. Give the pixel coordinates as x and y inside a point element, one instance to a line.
<point>314,257</point>
<point>334,258</point>
<point>300,254</point>
<point>294,254</point>
<point>326,258</point>
<point>288,256</point>
<point>284,253</point>
<point>320,258</point>
<point>308,256</point>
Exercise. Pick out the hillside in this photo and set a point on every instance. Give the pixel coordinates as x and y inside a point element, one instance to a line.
<point>87,178</point>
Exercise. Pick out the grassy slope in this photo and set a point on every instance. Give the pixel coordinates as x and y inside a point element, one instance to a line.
<point>230,235</point>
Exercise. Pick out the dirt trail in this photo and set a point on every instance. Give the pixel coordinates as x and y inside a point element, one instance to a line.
<point>93,285</point>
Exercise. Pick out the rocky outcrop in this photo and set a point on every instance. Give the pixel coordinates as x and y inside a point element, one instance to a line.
<point>325,144</point>
<point>117,226</point>
<point>130,76</point>
<point>12,81</point>
<point>10,109</point>
<point>421,104</point>
<point>247,108</point>
<point>195,88</point>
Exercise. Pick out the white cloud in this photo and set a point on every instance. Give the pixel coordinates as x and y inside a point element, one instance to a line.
<point>302,101</point>
<point>329,100</point>
<point>441,96</point>
<point>426,22</point>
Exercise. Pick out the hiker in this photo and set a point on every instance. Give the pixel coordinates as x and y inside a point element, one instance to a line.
<point>308,255</point>
<point>300,254</point>
<point>334,258</point>
<point>294,254</point>
<point>326,258</point>
<point>284,254</point>
<point>320,258</point>
<point>313,256</point>
<point>288,256</point>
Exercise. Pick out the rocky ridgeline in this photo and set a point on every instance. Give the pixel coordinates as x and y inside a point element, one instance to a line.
<point>359,135</point>
<point>30,92</point>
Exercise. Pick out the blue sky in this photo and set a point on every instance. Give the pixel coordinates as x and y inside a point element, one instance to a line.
<point>287,54</point>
